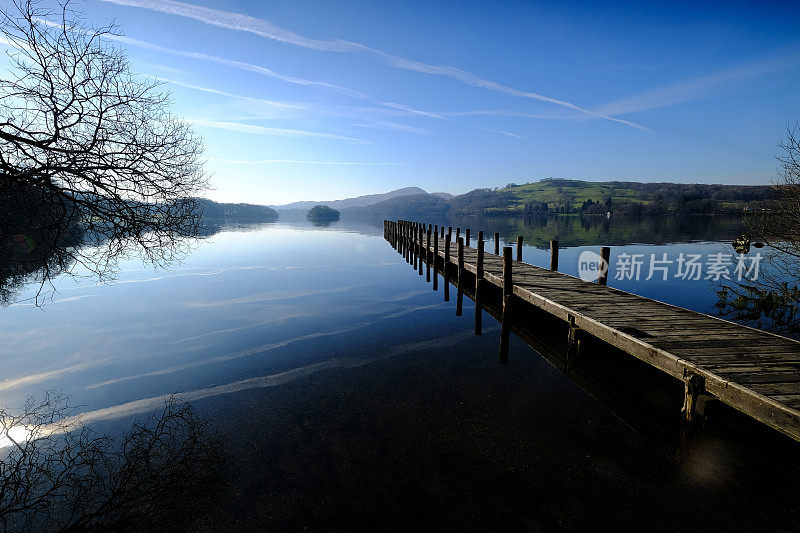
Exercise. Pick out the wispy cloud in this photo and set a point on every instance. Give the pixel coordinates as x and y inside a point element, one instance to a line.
<point>503,132</point>
<point>395,126</point>
<point>271,132</point>
<point>273,103</point>
<point>299,162</point>
<point>696,88</point>
<point>270,30</point>
<point>241,65</point>
<point>264,71</point>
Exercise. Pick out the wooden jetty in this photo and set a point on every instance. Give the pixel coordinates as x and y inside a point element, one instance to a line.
<point>705,358</point>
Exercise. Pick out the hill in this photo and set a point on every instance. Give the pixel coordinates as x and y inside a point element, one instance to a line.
<point>619,197</point>
<point>322,213</point>
<point>358,201</point>
<point>416,205</point>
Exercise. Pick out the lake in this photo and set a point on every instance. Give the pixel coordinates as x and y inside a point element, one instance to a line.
<point>350,395</point>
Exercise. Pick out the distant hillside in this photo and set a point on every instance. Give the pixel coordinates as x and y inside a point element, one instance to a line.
<point>417,205</point>
<point>248,212</point>
<point>575,196</point>
<point>358,201</point>
<point>618,197</point>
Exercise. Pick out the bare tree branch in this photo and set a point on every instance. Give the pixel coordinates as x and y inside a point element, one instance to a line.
<point>96,144</point>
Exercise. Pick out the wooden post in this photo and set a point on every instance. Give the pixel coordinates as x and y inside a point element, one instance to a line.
<point>496,244</point>
<point>446,268</point>
<point>478,280</point>
<point>605,255</point>
<point>508,291</point>
<point>694,385</point>
<point>421,246</point>
<point>466,241</point>
<point>554,255</point>
<point>519,248</point>
<point>442,230</point>
<point>406,252</point>
<point>428,257</point>
<point>458,234</point>
<point>435,259</point>
<point>414,245</point>
<point>460,281</point>
<point>574,341</point>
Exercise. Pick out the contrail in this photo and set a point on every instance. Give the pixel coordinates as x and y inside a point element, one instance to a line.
<point>270,30</point>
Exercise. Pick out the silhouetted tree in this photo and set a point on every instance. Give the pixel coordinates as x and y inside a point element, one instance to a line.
<point>57,475</point>
<point>772,301</point>
<point>94,143</point>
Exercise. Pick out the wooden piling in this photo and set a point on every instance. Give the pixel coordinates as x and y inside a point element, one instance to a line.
<point>458,234</point>
<point>428,256</point>
<point>404,238</point>
<point>466,240</point>
<point>414,245</point>
<point>519,248</point>
<point>605,266</point>
<point>421,246</point>
<point>460,281</point>
<point>446,268</point>
<point>508,291</point>
<point>435,259</point>
<point>496,244</point>
<point>694,386</point>
<point>442,230</point>
<point>554,255</point>
<point>574,340</point>
<point>478,280</point>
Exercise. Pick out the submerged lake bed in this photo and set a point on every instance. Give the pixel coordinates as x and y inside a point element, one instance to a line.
<point>348,393</point>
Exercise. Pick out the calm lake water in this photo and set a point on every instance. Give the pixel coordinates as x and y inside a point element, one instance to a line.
<point>274,327</point>
<point>253,300</point>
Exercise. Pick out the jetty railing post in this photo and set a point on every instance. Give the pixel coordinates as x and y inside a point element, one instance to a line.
<point>403,238</point>
<point>694,386</point>
<point>442,230</point>
<point>605,255</point>
<point>519,248</point>
<point>478,280</point>
<point>428,257</point>
<point>435,259</point>
<point>466,241</point>
<point>458,234</point>
<point>414,245</point>
<point>554,255</point>
<point>446,268</point>
<point>406,248</point>
<point>421,246</point>
<point>496,244</point>
<point>574,341</point>
<point>460,282</point>
<point>508,291</point>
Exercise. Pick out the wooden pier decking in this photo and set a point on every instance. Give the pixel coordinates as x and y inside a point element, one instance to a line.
<point>752,371</point>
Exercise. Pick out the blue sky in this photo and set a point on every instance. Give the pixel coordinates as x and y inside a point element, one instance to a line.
<point>328,99</point>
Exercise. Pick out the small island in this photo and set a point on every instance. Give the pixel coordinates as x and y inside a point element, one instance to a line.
<point>322,213</point>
